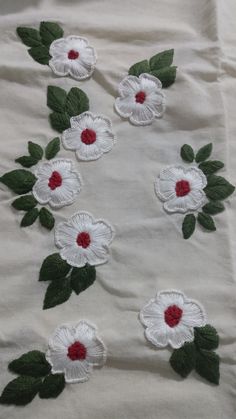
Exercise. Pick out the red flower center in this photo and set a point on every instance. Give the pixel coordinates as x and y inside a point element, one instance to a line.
<point>55,180</point>
<point>88,136</point>
<point>83,239</point>
<point>72,54</point>
<point>140,97</point>
<point>182,188</point>
<point>77,351</point>
<point>173,315</point>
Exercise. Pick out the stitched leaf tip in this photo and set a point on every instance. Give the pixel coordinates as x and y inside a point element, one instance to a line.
<point>33,364</point>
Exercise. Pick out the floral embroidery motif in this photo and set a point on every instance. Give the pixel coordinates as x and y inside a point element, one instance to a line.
<point>187,189</point>
<point>72,353</point>
<point>90,136</point>
<point>175,320</point>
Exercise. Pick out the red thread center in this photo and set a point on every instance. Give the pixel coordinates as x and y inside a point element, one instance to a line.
<point>77,351</point>
<point>173,315</point>
<point>72,54</point>
<point>55,180</point>
<point>88,136</point>
<point>140,97</point>
<point>83,239</point>
<point>182,188</point>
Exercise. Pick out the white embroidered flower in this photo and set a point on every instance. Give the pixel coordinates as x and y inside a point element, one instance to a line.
<point>57,183</point>
<point>90,136</point>
<point>170,319</point>
<point>181,188</point>
<point>141,99</point>
<point>73,56</point>
<point>84,240</point>
<point>75,350</point>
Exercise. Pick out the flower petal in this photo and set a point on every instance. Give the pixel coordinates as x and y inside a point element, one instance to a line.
<point>180,334</point>
<point>41,191</point>
<point>141,115</point>
<point>124,106</point>
<point>129,86</point>
<point>77,371</point>
<point>157,337</point>
<point>193,314</point>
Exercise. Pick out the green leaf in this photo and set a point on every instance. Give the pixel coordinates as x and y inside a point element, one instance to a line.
<point>211,166</point>
<point>77,102</point>
<point>19,181</point>
<point>52,148</point>
<point>56,98</point>
<point>59,121</point>
<point>218,188</point>
<point>57,293</point>
<point>33,364</point>
<point>30,217</point>
<point>82,278</point>
<point>139,68</point>
<point>207,365</point>
<point>206,337</point>
<point>213,207</point>
<point>187,153</point>
<point>29,36</point>
<point>204,153</point>
<point>52,386</point>
<point>206,221</point>
<point>35,150</point>
<point>53,267</point>
<point>183,359</point>
<point>24,203</point>
<point>40,54</point>
<point>163,59</point>
<point>20,391</point>
<point>166,75</point>
<point>46,218</point>
<point>188,226</point>
<point>50,31</point>
<point>26,161</point>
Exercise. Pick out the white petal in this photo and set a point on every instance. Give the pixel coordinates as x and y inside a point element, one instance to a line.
<point>124,106</point>
<point>88,57</point>
<point>196,178</point>
<point>142,115</point>
<point>170,297</point>
<point>102,233</point>
<point>152,314</point>
<point>96,255</point>
<point>85,331</point>
<point>62,338</point>
<point>41,191</point>
<point>65,234</point>
<point>89,151</point>
<point>165,189</point>
<point>129,86</point>
<point>74,256</point>
<point>58,47</point>
<point>193,314</point>
<point>81,220</point>
<point>79,71</point>
<point>105,141</point>
<point>180,204</point>
<point>82,121</point>
<point>77,371</point>
<point>57,359</point>
<point>178,335</point>
<point>149,82</point>
<point>158,337</point>
<point>71,138</point>
<point>156,102</point>
<point>60,66</point>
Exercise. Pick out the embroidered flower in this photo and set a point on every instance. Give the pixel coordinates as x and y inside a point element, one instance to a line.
<point>141,99</point>
<point>170,319</point>
<point>83,240</point>
<point>90,136</point>
<point>181,188</point>
<point>57,183</point>
<point>72,56</point>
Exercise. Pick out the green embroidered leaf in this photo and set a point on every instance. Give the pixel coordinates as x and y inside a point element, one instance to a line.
<point>183,359</point>
<point>20,391</point>
<point>24,203</point>
<point>206,337</point>
<point>46,218</point>
<point>56,98</point>
<point>32,363</point>
<point>57,293</point>
<point>213,207</point>
<point>206,221</point>
<point>35,150</point>
<point>218,188</point>
<point>163,59</point>
<point>207,365</point>
<point>59,121</point>
<point>52,148</point>
<point>53,267</point>
<point>29,36</point>
<point>19,181</point>
<point>52,386</point>
<point>50,31</point>
<point>30,217</point>
<point>77,102</point>
<point>187,153</point>
<point>204,153</point>
<point>40,54</point>
<point>139,68</point>
<point>210,166</point>
<point>188,226</point>
<point>27,161</point>
<point>82,278</point>
<point>166,75</point>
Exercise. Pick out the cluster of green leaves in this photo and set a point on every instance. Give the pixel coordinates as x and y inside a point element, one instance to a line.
<point>40,40</point>
<point>159,66</point>
<point>21,182</point>
<point>199,355</point>
<point>34,377</point>
<point>64,279</point>
<point>217,189</point>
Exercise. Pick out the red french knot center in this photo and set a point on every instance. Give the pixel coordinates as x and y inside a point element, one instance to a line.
<point>77,351</point>
<point>88,136</point>
<point>72,54</point>
<point>173,315</point>
<point>83,239</point>
<point>140,97</point>
<point>182,188</point>
<point>55,180</point>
